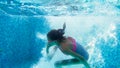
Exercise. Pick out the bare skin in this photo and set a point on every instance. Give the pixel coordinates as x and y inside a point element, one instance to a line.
<point>66,47</point>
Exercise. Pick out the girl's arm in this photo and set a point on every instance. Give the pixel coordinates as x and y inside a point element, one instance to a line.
<point>51,54</point>
<point>47,48</point>
<point>49,45</point>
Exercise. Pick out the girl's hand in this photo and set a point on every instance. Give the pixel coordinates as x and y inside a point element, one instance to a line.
<point>49,58</point>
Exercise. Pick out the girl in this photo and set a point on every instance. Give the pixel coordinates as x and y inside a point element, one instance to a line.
<point>68,46</point>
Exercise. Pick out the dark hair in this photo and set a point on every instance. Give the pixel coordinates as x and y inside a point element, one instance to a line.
<point>56,35</point>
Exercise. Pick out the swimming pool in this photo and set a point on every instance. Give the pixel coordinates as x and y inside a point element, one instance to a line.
<point>94,24</point>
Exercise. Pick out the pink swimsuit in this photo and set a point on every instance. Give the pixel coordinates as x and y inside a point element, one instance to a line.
<point>74,43</point>
<point>79,48</point>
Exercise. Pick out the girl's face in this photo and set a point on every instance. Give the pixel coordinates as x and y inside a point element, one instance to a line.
<point>50,42</point>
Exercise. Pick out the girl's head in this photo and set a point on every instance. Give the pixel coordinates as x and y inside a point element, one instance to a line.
<point>56,35</point>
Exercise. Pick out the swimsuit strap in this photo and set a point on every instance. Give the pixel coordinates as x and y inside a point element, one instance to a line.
<point>74,43</point>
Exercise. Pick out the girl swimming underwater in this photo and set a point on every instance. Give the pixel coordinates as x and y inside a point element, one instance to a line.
<point>68,46</point>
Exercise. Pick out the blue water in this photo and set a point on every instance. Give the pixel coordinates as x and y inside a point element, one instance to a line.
<point>95,24</point>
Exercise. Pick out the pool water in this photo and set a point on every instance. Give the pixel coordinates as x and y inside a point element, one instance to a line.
<point>95,24</point>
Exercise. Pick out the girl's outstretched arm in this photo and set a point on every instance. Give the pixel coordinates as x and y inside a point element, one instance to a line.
<point>47,48</point>
<point>49,45</point>
<point>52,52</point>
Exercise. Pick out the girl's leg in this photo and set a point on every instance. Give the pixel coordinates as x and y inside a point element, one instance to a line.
<point>59,64</point>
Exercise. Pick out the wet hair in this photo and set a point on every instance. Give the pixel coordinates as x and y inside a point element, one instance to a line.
<point>56,35</point>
